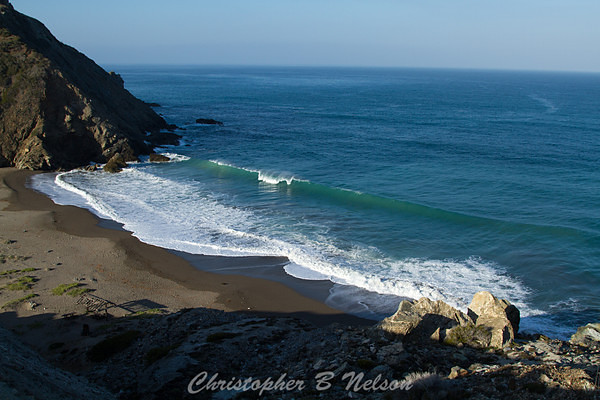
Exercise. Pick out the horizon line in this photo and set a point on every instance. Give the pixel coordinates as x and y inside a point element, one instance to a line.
<point>309,66</point>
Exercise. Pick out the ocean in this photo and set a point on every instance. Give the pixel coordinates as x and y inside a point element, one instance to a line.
<point>389,183</point>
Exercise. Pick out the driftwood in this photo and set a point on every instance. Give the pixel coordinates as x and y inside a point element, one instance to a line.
<point>94,303</point>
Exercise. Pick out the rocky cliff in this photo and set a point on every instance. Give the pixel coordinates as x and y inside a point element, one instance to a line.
<point>59,109</point>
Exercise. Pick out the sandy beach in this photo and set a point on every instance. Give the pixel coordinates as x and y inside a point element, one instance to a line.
<point>49,245</point>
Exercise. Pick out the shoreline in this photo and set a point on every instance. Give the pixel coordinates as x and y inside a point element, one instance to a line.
<point>189,287</point>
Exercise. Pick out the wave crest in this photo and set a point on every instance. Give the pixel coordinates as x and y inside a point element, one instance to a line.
<point>272,178</point>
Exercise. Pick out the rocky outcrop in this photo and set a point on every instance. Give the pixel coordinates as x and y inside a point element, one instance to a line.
<point>158,158</point>
<point>499,317</point>
<point>165,352</point>
<point>423,319</point>
<point>490,322</point>
<point>115,164</point>
<point>60,110</point>
<point>486,305</point>
<point>208,121</point>
<point>588,335</point>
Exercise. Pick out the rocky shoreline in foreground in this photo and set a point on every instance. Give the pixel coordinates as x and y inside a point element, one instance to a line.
<point>197,353</point>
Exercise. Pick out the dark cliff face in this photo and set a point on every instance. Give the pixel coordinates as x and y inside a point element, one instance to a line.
<point>59,109</point>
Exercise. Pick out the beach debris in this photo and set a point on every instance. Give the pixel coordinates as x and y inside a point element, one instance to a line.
<point>94,303</point>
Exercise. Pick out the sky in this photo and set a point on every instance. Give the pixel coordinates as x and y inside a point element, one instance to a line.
<point>556,35</point>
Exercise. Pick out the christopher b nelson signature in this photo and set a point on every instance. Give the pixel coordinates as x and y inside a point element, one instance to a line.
<point>355,382</point>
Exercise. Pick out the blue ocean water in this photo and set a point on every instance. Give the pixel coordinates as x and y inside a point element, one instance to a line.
<point>388,182</point>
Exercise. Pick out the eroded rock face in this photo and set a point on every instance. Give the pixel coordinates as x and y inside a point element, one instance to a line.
<point>60,110</point>
<point>25,374</point>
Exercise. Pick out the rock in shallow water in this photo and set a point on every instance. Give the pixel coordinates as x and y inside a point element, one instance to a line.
<point>115,164</point>
<point>208,121</point>
<point>159,158</point>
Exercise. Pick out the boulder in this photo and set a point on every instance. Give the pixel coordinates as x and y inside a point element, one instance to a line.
<point>208,121</point>
<point>154,157</point>
<point>423,319</point>
<point>470,335</point>
<point>489,306</point>
<point>490,322</point>
<point>588,335</point>
<point>115,164</point>
<point>498,316</point>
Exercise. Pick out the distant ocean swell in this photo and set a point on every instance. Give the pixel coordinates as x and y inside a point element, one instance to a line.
<point>355,199</point>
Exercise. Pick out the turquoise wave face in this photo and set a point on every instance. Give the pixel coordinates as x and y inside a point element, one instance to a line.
<point>401,182</point>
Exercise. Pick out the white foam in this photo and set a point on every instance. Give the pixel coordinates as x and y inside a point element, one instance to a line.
<point>453,281</point>
<point>174,157</point>
<point>188,217</point>
<point>272,178</point>
<point>93,202</point>
<point>550,107</point>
